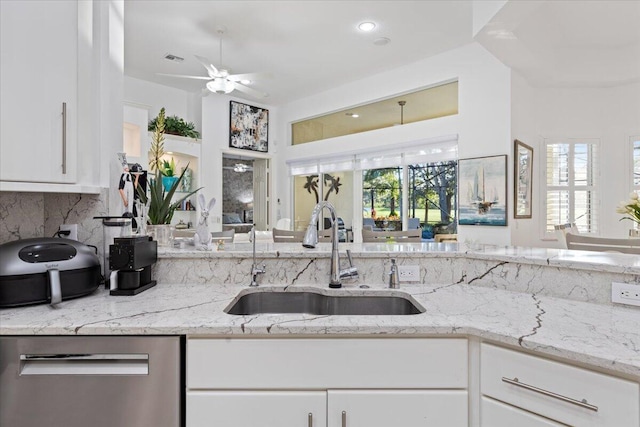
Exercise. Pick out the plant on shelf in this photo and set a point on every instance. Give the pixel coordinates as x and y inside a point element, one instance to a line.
<point>168,168</point>
<point>160,207</point>
<point>174,125</point>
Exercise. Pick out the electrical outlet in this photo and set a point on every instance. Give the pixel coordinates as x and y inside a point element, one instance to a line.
<point>72,229</point>
<point>625,293</point>
<point>409,273</point>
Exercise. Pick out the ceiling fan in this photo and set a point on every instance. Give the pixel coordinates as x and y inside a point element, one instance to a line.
<point>239,167</point>
<point>220,81</point>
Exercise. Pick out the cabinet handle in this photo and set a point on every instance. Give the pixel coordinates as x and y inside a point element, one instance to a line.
<point>310,419</point>
<point>344,418</point>
<point>64,138</point>
<point>582,403</point>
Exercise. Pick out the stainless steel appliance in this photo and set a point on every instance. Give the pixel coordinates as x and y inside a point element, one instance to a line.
<point>91,381</point>
<point>45,269</point>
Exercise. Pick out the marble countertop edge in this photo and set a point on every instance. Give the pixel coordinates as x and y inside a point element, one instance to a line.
<point>583,260</point>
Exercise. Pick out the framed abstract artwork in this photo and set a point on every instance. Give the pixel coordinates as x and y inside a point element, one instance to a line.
<point>522,179</point>
<point>482,191</point>
<point>248,127</point>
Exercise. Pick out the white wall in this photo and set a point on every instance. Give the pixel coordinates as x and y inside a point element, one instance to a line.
<point>483,123</point>
<point>215,142</point>
<point>609,114</point>
<point>154,96</point>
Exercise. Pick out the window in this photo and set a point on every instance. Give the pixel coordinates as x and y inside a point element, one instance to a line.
<point>426,104</point>
<point>572,184</point>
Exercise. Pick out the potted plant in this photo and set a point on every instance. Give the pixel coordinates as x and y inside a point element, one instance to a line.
<point>159,202</point>
<point>174,125</point>
<point>168,169</point>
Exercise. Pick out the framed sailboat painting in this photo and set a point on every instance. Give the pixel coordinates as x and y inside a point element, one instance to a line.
<point>482,191</point>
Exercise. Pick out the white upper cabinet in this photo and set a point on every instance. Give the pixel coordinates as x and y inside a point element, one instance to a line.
<point>38,75</point>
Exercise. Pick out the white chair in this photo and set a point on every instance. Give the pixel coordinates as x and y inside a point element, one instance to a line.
<point>563,229</point>
<point>413,223</point>
<point>226,236</point>
<point>282,236</point>
<point>283,224</point>
<point>408,236</point>
<point>601,244</point>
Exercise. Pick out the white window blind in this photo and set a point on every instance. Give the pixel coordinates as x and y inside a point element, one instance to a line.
<point>423,151</point>
<point>572,194</point>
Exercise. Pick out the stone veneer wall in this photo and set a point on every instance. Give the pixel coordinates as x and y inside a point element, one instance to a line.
<point>569,283</point>
<point>238,187</point>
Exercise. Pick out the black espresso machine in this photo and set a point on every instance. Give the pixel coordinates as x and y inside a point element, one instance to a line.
<point>130,261</point>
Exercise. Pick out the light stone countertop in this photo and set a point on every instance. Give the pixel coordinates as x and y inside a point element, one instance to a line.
<point>600,336</point>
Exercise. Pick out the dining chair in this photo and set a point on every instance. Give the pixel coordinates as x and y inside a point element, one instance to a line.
<point>407,236</point>
<point>226,236</point>
<point>413,223</point>
<point>438,238</point>
<point>283,224</point>
<point>282,236</point>
<point>583,242</point>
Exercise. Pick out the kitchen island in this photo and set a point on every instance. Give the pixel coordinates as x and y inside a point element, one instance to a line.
<point>480,305</point>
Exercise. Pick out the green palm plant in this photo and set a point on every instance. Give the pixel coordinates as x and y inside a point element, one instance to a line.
<point>160,207</point>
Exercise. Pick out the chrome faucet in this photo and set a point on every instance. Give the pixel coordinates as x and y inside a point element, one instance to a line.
<point>255,270</point>
<point>394,280</point>
<point>311,240</point>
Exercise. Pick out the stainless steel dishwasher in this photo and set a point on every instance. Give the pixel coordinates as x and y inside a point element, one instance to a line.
<point>91,381</point>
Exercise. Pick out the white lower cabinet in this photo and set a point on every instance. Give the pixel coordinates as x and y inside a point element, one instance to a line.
<point>388,382</point>
<point>401,408</point>
<point>498,414</point>
<point>563,393</point>
<point>256,408</point>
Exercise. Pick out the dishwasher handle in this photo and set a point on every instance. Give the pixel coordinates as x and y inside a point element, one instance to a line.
<point>84,364</point>
<point>71,357</point>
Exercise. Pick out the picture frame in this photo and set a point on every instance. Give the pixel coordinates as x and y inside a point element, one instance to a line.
<point>482,191</point>
<point>522,179</point>
<point>248,127</point>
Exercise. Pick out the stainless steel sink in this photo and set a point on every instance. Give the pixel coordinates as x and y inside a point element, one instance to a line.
<point>260,302</point>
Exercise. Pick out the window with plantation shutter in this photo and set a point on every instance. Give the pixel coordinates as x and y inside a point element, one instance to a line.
<point>572,194</point>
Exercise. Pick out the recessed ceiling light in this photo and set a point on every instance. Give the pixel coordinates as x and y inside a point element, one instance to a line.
<point>366,26</point>
<point>381,41</point>
<point>245,82</point>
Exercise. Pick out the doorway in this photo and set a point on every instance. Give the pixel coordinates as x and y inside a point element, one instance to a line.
<point>245,192</point>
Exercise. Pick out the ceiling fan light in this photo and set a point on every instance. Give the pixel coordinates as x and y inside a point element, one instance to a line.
<point>221,85</point>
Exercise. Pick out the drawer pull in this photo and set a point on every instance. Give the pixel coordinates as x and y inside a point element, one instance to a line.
<point>582,403</point>
<point>310,419</point>
<point>344,418</point>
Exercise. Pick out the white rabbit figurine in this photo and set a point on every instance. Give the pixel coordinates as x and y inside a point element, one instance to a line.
<point>202,237</point>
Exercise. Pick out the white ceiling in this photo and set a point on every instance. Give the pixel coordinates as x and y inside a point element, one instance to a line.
<point>568,43</point>
<point>306,46</point>
<point>310,46</point>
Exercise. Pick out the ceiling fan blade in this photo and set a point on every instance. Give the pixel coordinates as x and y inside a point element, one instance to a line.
<point>249,76</point>
<point>211,69</point>
<point>249,91</point>
<point>182,76</point>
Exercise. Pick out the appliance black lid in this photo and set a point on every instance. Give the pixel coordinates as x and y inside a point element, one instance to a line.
<point>47,252</point>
